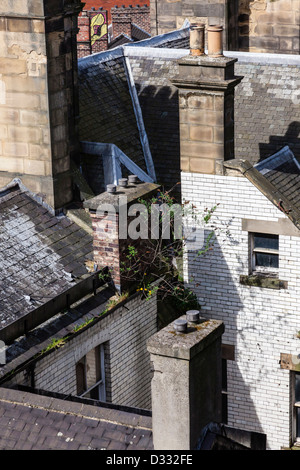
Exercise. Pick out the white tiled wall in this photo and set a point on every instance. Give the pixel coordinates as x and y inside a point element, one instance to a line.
<point>261,323</point>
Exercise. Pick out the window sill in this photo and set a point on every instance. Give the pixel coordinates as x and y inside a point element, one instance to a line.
<point>258,280</point>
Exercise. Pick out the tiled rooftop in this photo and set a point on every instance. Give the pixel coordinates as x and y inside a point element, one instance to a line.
<point>41,255</point>
<point>107,114</point>
<point>37,422</point>
<point>283,171</point>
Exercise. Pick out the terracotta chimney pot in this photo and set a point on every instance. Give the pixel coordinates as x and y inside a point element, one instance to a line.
<point>197,39</point>
<point>214,40</point>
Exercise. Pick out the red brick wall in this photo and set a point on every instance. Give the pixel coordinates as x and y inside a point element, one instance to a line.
<point>108,4</point>
<point>84,43</point>
<point>138,15</point>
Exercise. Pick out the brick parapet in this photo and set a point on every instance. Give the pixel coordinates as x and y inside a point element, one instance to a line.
<point>137,15</point>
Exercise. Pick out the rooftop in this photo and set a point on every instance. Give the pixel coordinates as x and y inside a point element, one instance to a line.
<point>278,178</point>
<point>41,255</point>
<point>39,422</point>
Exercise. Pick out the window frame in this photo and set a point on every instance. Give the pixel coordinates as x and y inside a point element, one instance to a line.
<point>262,270</point>
<point>98,385</point>
<point>296,412</point>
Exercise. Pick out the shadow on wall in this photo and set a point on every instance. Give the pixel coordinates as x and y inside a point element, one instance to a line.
<point>263,26</point>
<point>160,110</point>
<point>276,142</point>
<point>212,281</point>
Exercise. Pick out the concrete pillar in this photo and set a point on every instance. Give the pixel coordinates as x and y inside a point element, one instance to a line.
<point>206,111</point>
<point>186,385</point>
<point>38,95</point>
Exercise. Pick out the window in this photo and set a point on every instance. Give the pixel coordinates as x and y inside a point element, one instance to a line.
<point>297,407</point>
<point>90,375</point>
<point>224,392</point>
<point>264,253</point>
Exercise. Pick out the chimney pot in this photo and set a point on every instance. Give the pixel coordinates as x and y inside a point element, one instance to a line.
<point>180,325</point>
<point>214,41</point>
<point>111,188</point>
<point>132,179</point>
<point>197,39</point>
<point>123,182</point>
<point>192,316</point>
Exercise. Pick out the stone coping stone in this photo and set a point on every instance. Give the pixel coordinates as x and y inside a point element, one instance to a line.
<point>169,342</point>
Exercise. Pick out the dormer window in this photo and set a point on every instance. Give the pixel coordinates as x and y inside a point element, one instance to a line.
<point>264,253</point>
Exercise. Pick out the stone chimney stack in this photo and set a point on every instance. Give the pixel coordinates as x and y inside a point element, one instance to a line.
<point>186,385</point>
<point>38,99</point>
<point>206,85</point>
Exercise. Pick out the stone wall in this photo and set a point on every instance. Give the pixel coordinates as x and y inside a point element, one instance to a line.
<point>269,26</point>
<point>260,323</point>
<point>168,15</point>
<point>37,100</point>
<point>124,333</point>
<point>255,26</point>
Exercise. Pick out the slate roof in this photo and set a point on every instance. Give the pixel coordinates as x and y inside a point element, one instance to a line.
<point>107,114</point>
<point>37,422</point>
<point>138,33</point>
<point>278,178</point>
<point>41,255</point>
<point>106,111</point>
<point>283,171</point>
<point>32,346</point>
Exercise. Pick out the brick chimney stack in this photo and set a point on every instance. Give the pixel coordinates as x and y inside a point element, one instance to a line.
<point>206,106</point>
<point>110,222</point>
<point>38,99</point>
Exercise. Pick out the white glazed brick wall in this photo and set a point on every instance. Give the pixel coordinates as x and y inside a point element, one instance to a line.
<point>261,323</point>
<point>127,329</point>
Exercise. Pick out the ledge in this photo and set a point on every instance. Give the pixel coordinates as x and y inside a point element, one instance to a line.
<point>255,280</point>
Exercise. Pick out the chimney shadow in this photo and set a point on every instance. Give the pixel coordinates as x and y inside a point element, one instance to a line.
<point>212,281</point>
<point>276,142</point>
<point>238,25</point>
<point>160,111</point>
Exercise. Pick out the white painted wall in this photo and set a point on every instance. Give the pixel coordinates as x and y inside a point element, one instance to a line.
<point>260,323</point>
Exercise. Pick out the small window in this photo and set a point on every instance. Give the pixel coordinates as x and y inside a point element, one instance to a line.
<point>297,407</point>
<point>90,375</point>
<point>264,253</point>
<point>224,392</point>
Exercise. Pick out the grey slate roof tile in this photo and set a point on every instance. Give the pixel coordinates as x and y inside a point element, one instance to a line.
<point>39,253</point>
<point>283,170</point>
<point>38,422</point>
